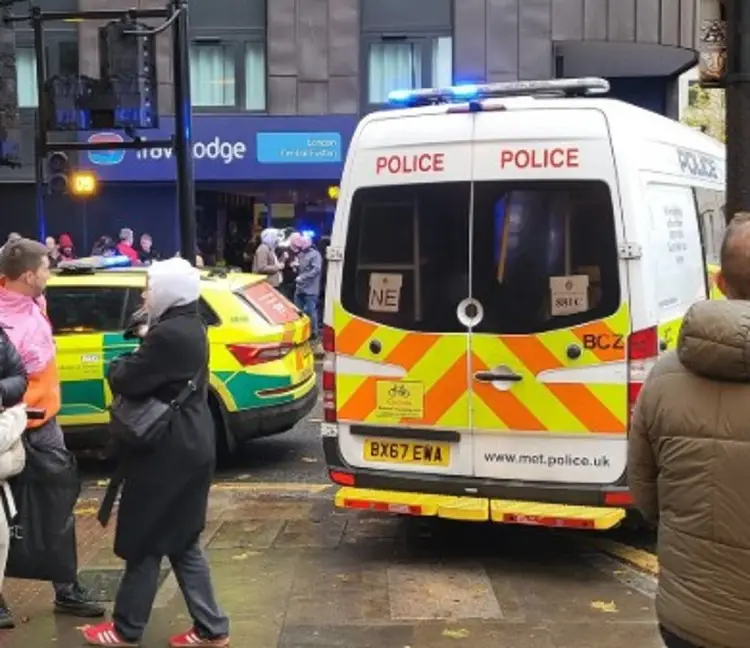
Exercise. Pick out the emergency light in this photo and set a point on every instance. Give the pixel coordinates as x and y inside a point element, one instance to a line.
<point>93,263</point>
<point>460,93</point>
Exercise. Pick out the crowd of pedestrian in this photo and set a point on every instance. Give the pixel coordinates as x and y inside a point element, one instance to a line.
<point>63,249</point>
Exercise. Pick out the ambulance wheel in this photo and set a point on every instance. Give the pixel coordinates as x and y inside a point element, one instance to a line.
<point>223,451</point>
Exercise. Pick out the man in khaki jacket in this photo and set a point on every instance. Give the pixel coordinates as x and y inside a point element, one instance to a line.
<point>689,463</point>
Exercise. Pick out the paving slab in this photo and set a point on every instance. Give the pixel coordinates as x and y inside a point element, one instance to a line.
<point>301,574</point>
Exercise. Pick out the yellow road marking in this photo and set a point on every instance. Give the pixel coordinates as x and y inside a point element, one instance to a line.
<point>639,558</point>
<point>289,487</point>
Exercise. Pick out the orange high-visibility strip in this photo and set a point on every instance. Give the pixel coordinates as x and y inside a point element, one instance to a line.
<point>508,409</point>
<point>444,393</point>
<point>532,353</point>
<point>353,336</point>
<point>601,329</point>
<point>361,403</point>
<point>411,350</point>
<point>506,406</point>
<point>587,408</point>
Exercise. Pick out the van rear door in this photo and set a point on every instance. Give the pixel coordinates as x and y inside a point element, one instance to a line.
<point>548,347</point>
<point>402,392</point>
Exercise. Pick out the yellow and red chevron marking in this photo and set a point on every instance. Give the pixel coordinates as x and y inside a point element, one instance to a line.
<point>442,364</point>
<point>714,291</point>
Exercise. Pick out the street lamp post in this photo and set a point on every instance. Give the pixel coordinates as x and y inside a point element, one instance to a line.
<point>738,106</point>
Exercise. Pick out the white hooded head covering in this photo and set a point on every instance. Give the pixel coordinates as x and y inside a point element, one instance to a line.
<point>171,283</point>
<point>270,237</point>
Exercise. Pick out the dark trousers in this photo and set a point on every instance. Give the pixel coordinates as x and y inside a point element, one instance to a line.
<point>671,640</point>
<point>308,304</point>
<point>137,592</point>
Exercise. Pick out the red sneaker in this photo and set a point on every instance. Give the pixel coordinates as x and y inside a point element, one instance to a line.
<point>190,639</point>
<point>104,634</point>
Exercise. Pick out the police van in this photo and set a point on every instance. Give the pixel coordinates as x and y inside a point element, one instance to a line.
<point>506,264</point>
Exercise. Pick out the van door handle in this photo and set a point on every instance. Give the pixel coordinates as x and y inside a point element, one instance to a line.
<point>497,376</point>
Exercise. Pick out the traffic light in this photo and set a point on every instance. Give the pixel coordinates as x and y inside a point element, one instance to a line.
<point>83,184</point>
<point>58,169</point>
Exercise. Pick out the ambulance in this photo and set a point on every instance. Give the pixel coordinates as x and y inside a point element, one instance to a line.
<point>507,263</point>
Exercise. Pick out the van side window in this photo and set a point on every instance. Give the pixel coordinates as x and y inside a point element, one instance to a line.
<point>712,217</point>
<point>544,255</point>
<point>678,264</point>
<point>406,261</point>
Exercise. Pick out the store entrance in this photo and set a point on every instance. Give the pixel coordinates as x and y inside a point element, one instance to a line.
<point>230,220</point>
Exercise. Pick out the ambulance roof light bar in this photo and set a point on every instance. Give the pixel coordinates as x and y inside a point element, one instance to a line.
<point>89,265</point>
<point>461,93</point>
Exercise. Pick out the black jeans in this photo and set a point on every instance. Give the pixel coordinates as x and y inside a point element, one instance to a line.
<point>138,591</point>
<point>671,640</point>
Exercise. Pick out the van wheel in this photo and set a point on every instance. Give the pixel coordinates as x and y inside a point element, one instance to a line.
<point>223,452</point>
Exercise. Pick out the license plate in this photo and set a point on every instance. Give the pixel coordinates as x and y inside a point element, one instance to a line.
<point>407,452</point>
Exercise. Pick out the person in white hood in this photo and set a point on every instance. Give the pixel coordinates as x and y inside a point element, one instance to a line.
<point>165,494</point>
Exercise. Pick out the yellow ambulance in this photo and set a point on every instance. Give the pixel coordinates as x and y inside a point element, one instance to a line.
<point>506,264</point>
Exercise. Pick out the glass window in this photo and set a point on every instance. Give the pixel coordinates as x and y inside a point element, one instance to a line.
<point>26,77</point>
<point>393,66</point>
<point>135,301</point>
<point>712,216</point>
<point>212,75</point>
<point>403,64</point>
<point>442,62</point>
<point>406,259</point>
<point>537,245</point>
<point>255,76</point>
<point>69,62</point>
<point>679,268</point>
<point>85,310</point>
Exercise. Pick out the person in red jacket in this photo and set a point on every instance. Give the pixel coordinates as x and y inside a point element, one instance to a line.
<point>125,245</point>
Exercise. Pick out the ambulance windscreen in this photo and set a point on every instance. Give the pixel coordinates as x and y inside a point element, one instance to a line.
<point>541,255</point>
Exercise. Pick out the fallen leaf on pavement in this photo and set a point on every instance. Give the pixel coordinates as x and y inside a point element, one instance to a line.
<point>604,606</point>
<point>245,556</point>
<point>456,634</point>
<point>309,460</point>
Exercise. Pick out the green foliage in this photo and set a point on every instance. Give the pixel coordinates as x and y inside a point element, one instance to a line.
<point>707,110</point>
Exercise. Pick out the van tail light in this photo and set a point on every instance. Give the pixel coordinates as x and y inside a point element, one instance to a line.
<point>329,375</point>
<point>643,350</point>
<point>254,354</point>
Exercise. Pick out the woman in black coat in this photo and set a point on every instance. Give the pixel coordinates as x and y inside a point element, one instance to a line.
<point>165,493</point>
<point>13,379</point>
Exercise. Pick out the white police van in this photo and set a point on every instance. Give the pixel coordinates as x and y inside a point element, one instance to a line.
<point>507,261</point>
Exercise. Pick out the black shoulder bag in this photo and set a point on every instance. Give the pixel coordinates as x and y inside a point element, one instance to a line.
<point>141,423</point>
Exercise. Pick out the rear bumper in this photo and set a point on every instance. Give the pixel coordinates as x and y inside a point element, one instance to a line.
<point>246,425</point>
<point>615,495</point>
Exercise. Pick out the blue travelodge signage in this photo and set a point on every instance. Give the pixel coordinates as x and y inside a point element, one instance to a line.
<point>233,147</point>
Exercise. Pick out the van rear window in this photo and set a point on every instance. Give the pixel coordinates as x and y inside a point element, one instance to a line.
<point>538,256</point>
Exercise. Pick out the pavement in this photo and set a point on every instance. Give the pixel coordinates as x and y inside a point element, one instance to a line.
<point>294,572</point>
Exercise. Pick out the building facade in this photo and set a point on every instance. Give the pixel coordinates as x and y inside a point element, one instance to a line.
<point>278,87</point>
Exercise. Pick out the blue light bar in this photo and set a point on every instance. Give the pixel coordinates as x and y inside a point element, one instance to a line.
<point>461,93</point>
<point>95,263</point>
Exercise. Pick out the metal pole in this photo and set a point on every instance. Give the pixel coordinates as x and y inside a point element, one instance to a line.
<point>183,141</point>
<point>40,152</point>
<point>738,107</point>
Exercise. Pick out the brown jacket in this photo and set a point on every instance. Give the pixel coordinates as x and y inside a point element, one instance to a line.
<point>689,469</point>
